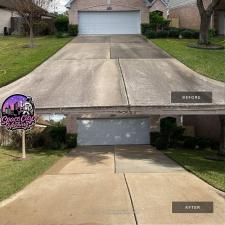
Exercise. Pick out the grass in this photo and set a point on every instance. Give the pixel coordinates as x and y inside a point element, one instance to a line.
<point>210,63</point>
<point>17,174</point>
<point>213,172</point>
<point>17,61</point>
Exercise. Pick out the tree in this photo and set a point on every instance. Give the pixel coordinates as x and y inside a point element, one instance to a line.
<point>205,15</point>
<point>31,10</point>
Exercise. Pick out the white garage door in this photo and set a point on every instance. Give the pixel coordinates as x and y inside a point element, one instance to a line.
<point>109,23</point>
<point>113,131</point>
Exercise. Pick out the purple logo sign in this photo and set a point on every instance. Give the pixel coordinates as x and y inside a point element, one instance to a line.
<point>18,112</point>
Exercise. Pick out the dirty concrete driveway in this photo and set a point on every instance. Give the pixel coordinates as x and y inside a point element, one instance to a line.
<point>121,185</point>
<point>112,71</point>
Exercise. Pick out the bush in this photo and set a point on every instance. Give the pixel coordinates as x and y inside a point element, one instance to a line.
<point>215,145</point>
<point>157,22</point>
<point>144,27</point>
<point>150,34</point>
<point>61,23</point>
<point>53,137</point>
<point>212,33</point>
<point>196,34</point>
<point>174,33</point>
<point>73,30</point>
<point>71,140</point>
<point>161,143</point>
<point>189,142</point>
<point>41,28</point>
<point>153,137</point>
<point>203,143</point>
<point>187,34</point>
<point>162,34</point>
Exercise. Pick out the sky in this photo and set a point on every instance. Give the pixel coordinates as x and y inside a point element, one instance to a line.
<point>59,6</point>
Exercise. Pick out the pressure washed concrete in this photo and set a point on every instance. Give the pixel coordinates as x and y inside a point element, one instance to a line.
<point>117,185</point>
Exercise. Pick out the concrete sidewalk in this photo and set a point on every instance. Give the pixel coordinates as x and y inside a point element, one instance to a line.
<point>121,185</point>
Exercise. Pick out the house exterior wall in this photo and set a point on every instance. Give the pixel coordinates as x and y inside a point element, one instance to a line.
<point>5,19</point>
<point>205,126</point>
<point>158,5</point>
<point>187,12</point>
<point>101,5</point>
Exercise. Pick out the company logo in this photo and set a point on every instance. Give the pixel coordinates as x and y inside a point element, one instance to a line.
<point>17,112</point>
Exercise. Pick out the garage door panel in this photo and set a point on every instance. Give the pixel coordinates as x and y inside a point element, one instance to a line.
<point>113,131</point>
<point>109,22</point>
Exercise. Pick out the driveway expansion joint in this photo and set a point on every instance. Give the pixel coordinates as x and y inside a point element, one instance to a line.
<point>131,200</point>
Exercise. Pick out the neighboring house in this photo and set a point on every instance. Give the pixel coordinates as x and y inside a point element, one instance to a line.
<point>187,13</point>
<point>161,6</point>
<point>112,16</point>
<point>6,13</point>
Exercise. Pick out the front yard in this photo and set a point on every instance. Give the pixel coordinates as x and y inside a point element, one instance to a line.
<point>213,172</point>
<point>16,174</point>
<point>210,63</point>
<point>17,61</point>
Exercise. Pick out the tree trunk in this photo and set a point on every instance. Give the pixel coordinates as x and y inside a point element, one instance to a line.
<point>31,32</point>
<point>222,136</point>
<point>204,29</point>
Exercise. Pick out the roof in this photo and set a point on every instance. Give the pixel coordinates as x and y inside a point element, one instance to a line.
<point>7,4</point>
<point>179,3</point>
<point>165,2</point>
<point>148,2</point>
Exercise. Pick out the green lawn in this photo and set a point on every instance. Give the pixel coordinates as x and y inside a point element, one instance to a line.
<point>210,63</point>
<point>17,61</point>
<point>213,172</point>
<point>15,174</point>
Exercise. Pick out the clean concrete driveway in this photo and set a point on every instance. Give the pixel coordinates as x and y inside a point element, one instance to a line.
<point>123,73</point>
<point>122,185</point>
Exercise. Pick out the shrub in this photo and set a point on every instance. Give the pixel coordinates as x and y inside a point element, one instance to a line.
<point>157,21</point>
<point>162,34</point>
<point>73,30</point>
<point>53,137</point>
<point>153,137</point>
<point>215,145</point>
<point>41,28</point>
<point>144,27</point>
<point>189,142</point>
<point>174,33</point>
<point>187,34</point>
<point>150,34</point>
<point>212,33</point>
<point>61,23</point>
<point>71,140</point>
<point>161,143</point>
<point>203,143</point>
<point>196,34</point>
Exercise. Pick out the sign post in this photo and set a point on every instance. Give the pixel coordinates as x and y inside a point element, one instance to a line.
<point>23,144</point>
<point>17,113</point>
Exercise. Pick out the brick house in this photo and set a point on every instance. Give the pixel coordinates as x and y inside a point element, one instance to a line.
<point>112,16</point>
<point>188,15</point>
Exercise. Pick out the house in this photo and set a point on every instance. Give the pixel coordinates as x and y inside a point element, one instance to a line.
<point>112,16</point>
<point>14,23</point>
<point>161,6</point>
<point>188,15</point>
<point>6,13</point>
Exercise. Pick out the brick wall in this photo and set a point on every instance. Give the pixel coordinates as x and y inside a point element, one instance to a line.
<point>188,15</point>
<point>101,5</point>
<point>206,126</point>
